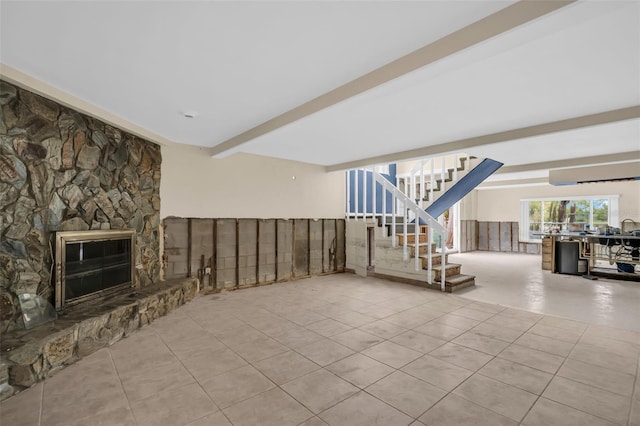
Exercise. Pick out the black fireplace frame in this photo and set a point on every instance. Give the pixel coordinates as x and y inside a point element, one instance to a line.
<point>63,238</point>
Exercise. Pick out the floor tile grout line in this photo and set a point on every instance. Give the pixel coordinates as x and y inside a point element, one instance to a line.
<point>359,388</point>
<point>371,384</point>
<point>398,409</point>
<point>554,376</point>
<point>259,371</point>
<point>473,402</point>
<point>477,371</point>
<point>594,385</point>
<point>309,408</point>
<point>188,372</point>
<point>42,404</point>
<point>633,392</point>
<point>417,378</point>
<point>115,369</point>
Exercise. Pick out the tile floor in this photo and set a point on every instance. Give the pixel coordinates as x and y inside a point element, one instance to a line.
<point>517,280</point>
<point>345,350</point>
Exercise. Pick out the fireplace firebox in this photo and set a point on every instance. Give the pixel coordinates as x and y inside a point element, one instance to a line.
<point>92,264</point>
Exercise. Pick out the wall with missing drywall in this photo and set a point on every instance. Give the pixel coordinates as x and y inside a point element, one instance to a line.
<point>503,237</point>
<point>232,253</point>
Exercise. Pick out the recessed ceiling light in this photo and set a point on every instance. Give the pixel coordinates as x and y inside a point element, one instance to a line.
<point>190,114</point>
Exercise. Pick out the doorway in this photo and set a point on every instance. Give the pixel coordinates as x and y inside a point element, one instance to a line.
<point>451,220</point>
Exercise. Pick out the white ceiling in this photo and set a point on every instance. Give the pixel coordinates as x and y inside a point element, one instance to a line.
<point>239,64</point>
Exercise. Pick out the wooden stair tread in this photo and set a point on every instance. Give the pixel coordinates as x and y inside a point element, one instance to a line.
<point>447,266</point>
<point>459,279</point>
<point>434,256</point>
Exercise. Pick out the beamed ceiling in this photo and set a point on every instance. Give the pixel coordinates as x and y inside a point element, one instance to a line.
<point>533,84</point>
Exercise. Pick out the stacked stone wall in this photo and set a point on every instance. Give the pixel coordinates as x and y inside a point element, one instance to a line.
<point>63,170</point>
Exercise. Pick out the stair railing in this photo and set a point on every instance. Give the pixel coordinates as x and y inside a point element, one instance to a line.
<point>427,171</point>
<point>408,205</point>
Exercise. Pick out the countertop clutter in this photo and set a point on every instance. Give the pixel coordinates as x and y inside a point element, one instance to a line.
<point>612,254</point>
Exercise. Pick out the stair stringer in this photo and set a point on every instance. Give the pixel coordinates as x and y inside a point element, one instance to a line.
<point>463,186</point>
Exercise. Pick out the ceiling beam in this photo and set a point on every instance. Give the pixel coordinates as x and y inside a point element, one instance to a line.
<point>461,145</point>
<point>499,184</point>
<point>572,162</point>
<point>504,20</point>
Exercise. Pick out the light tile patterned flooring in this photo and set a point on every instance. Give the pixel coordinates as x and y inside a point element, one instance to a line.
<point>345,350</point>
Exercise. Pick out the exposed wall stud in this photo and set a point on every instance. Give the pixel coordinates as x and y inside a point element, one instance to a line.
<point>293,247</point>
<point>257,251</point>
<point>214,268</point>
<point>335,248</point>
<point>309,246</point>
<point>322,246</point>
<point>276,248</point>
<point>188,247</point>
<point>237,253</point>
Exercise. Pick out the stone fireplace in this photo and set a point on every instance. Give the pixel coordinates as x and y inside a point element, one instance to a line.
<point>61,170</point>
<point>79,218</point>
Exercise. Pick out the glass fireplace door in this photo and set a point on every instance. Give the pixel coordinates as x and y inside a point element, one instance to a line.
<point>95,266</point>
<point>92,264</point>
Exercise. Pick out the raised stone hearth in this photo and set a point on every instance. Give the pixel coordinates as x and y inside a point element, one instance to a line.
<point>29,356</point>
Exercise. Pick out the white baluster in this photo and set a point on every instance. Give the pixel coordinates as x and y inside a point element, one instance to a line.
<point>422,190</point>
<point>348,175</point>
<point>364,193</point>
<point>432,181</point>
<point>444,166</point>
<point>405,219</point>
<point>356,179</point>
<point>429,258</point>
<point>384,206</point>
<point>374,206</point>
<point>443,263</point>
<point>416,242</point>
<point>455,168</point>
<point>394,205</point>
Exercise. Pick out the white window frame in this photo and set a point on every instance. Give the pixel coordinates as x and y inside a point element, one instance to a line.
<point>614,212</point>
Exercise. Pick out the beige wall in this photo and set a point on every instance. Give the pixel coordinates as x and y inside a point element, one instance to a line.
<point>469,206</point>
<point>249,186</point>
<point>504,204</point>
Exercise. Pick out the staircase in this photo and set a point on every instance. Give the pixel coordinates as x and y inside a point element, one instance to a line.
<point>406,215</point>
<point>453,279</point>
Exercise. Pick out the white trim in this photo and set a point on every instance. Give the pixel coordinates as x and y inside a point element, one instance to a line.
<point>576,197</point>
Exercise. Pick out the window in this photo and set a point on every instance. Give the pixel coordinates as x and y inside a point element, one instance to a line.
<point>566,214</point>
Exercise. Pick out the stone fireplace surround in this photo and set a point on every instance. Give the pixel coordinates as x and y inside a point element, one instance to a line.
<point>63,170</point>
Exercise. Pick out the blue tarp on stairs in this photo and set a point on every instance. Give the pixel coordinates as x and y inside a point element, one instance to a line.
<point>463,186</point>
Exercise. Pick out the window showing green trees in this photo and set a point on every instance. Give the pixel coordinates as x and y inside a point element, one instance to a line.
<point>561,215</point>
<point>600,212</point>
